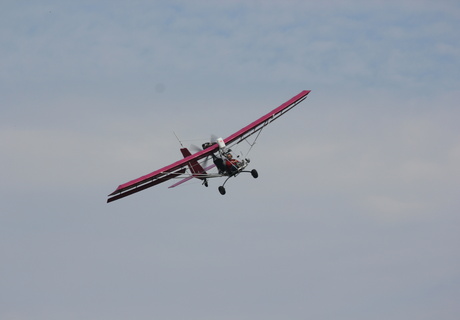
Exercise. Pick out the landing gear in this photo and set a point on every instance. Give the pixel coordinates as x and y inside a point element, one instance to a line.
<point>222,188</point>
<point>205,182</point>
<point>253,173</point>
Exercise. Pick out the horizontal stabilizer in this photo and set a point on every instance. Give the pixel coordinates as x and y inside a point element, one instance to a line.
<point>191,177</point>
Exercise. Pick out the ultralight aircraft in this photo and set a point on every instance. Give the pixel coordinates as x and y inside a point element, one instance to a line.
<point>218,149</point>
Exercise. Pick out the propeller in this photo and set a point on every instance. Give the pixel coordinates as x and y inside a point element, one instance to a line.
<point>195,148</point>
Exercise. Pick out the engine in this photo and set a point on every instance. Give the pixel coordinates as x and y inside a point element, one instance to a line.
<point>221,143</point>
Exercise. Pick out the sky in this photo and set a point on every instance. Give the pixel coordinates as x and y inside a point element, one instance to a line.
<point>355,213</point>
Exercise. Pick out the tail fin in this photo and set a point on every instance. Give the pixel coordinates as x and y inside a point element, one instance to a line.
<point>194,166</point>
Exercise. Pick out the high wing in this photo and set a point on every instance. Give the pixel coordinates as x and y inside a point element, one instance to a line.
<point>260,123</point>
<point>161,175</point>
<point>179,167</point>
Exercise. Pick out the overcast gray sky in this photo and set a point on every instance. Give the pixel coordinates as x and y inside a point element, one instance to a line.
<point>355,214</point>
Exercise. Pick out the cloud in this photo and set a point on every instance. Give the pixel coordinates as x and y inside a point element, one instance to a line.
<point>359,46</point>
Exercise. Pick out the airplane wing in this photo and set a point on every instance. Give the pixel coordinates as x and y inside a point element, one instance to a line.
<point>161,175</point>
<point>260,123</point>
<point>179,167</point>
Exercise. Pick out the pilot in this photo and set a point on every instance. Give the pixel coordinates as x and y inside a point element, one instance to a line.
<point>231,163</point>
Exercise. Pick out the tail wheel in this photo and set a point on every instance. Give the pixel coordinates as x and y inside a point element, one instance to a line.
<point>254,173</point>
<point>222,190</point>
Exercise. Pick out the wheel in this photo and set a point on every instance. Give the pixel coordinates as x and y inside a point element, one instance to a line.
<point>222,190</point>
<point>254,173</point>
